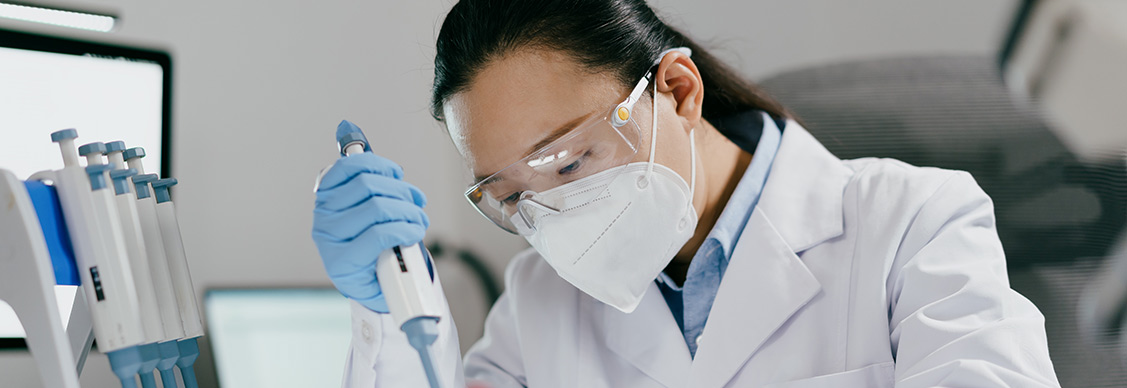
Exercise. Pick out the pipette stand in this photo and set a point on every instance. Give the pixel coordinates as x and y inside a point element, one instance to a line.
<point>27,279</point>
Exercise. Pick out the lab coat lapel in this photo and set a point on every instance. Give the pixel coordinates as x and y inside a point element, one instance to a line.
<point>803,194</point>
<point>764,285</point>
<point>649,339</point>
<point>766,282</point>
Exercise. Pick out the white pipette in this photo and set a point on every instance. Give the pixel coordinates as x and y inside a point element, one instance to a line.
<point>405,274</point>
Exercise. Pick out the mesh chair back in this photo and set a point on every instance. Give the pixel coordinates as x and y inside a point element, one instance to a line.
<point>1057,217</point>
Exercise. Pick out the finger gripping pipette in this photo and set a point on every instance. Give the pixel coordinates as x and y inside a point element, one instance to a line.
<point>405,276</point>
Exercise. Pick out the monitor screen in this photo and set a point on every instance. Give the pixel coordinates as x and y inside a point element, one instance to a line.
<point>278,337</point>
<point>105,92</point>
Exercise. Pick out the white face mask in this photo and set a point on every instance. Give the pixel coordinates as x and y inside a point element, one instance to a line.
<point>614,246</point>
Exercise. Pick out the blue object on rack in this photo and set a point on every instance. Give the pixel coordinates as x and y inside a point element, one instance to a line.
<point>46,203</point>
<point>150,356</point>
<point>125,363</point>
<point>189,351</point>
<point>169,353</point>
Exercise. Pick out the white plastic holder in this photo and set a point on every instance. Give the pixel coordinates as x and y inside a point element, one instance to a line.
<point>80,330</point>
<point>27,283</point>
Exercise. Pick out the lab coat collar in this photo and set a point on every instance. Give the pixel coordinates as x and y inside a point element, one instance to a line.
<point>765,284</point>
<point>803,195</point>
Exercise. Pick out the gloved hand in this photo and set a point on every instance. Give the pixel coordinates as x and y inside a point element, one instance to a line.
<point>364,207</point>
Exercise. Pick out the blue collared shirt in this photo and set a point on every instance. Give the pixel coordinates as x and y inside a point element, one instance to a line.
<point>691,303</point>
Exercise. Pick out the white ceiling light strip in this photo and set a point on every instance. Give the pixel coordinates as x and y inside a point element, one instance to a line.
<point>57,17</point>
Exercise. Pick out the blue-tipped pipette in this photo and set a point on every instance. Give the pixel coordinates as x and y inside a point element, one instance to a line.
<point>405,276</point>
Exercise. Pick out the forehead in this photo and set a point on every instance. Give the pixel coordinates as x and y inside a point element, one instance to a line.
<point>517,100</point>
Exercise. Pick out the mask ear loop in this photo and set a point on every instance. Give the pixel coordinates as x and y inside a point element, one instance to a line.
<point>692,164</point>
<point>645,181</point>
<point>692,158</point>
<point>653,148</point>
<point>653,134</point>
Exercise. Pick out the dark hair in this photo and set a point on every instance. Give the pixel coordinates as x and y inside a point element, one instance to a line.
<point>620,36</point>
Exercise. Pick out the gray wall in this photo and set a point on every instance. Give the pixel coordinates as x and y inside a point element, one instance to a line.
<point>260,86</point>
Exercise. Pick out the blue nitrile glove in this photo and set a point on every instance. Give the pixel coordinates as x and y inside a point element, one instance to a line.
<point>364,208</point>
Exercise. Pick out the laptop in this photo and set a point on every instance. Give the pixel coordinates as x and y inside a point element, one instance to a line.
<point>278,337</point>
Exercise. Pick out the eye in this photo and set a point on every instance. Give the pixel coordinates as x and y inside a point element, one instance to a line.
<point>511,199</point>
<point>574,166</point>
<point>569,168</point>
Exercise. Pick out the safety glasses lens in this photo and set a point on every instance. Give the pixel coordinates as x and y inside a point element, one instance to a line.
<point>597,146</point>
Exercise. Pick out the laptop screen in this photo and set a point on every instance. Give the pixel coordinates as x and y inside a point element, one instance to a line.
<point>278,337</point>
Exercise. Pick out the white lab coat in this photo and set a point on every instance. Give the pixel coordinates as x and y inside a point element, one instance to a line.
<point>860,273</point>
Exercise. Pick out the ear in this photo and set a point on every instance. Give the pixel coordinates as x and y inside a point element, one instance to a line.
<point>679,76</point>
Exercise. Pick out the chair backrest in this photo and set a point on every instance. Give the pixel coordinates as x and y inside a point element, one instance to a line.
<point>953,112</point>
<point>1057,217</point>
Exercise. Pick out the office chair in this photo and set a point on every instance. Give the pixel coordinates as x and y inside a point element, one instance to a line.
<point>1057,217</point>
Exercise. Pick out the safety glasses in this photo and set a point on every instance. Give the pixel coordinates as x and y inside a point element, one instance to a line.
<point>601,145</point>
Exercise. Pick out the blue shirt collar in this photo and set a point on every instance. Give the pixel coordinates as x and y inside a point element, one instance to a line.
<point>716,251</point>
<point>730,225</point>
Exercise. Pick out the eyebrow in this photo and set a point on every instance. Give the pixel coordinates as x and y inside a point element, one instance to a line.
<point>558,133</point>
<point>546,140</point>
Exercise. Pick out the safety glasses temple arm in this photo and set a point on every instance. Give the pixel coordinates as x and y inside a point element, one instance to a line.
<point>640,88</point>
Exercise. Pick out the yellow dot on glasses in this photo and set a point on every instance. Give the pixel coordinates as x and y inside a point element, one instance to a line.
<point>623,113</point>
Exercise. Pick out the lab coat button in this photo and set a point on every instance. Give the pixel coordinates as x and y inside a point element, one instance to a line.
<point>366,331</point>
<point>698,339</point>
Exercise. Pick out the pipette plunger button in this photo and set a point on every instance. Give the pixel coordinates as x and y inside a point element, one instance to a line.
<point>115,146</point>
<point>69,133</point>
<point>95,148</point>
<point>348,133</point>
<point>133,153</point>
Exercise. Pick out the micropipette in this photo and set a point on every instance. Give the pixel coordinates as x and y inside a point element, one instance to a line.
<point>100,251</point>
<point>405,276</point>
<point>181,280</point>
<point>167,349</point>
<point>139,260</point>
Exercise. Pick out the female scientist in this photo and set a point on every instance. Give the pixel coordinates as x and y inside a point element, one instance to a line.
<point>686,230</point>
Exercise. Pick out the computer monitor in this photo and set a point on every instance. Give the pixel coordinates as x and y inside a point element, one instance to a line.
<point>106,92</point>
<point>283,337</point>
